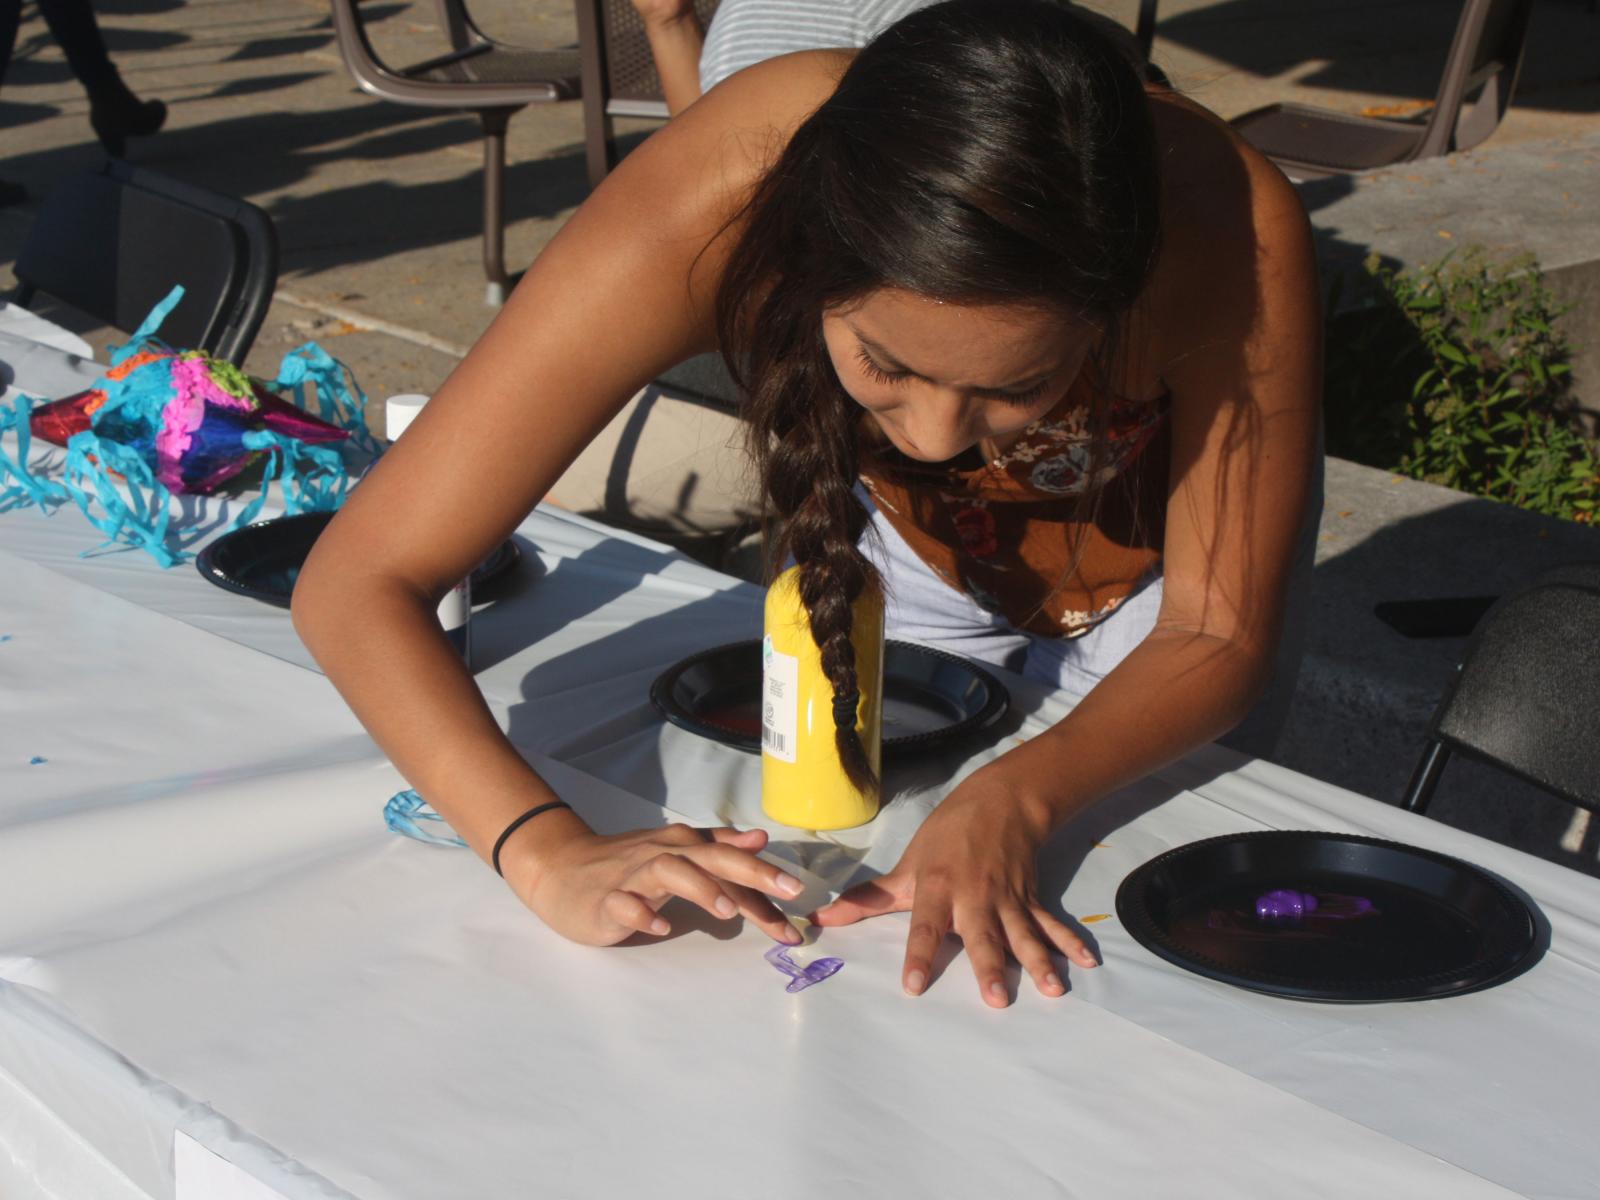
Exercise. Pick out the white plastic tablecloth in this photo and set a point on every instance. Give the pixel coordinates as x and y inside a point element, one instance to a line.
<point>206,930</point>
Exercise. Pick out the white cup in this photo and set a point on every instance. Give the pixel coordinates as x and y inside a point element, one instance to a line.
<point>399,411</point>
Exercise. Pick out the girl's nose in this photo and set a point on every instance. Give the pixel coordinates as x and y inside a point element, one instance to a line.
<point>940,423</point>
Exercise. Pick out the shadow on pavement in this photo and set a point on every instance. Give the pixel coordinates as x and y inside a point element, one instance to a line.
<point>1394,48</point>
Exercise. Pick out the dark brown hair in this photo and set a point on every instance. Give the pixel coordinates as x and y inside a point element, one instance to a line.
<point>979,151</point>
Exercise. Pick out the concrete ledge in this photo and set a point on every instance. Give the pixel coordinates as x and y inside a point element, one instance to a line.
<point>1365,692</point>
<point>1536,196</point>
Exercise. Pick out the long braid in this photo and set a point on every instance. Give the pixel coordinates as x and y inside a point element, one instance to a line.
<point>811,473</point>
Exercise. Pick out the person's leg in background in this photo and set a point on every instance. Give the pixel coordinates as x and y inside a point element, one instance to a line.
<point>114,111</point>
<point>10,18</point>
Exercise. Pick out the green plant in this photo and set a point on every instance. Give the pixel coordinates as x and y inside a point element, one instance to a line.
<point>1456,373</point>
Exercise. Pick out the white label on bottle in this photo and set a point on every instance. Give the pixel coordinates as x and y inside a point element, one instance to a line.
<point>780,709</point>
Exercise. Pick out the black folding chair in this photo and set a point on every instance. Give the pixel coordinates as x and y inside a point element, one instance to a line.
<point>113,242</point>
<point>1480,74</point>
<point>1526,698</point>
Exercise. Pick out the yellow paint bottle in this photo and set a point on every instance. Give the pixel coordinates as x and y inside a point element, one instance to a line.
<point>803,784</point>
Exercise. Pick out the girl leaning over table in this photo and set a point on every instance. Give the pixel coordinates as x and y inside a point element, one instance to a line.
<point>1029,346</point>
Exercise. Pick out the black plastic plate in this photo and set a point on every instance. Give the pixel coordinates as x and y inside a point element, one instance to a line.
<point>1436,926</point>
<point>930,698</point>
<point>263,560</point>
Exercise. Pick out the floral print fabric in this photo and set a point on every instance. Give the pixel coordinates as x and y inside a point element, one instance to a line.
<point>1054,532</point>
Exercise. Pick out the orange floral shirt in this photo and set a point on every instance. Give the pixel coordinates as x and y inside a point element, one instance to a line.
<point>1043,534</point>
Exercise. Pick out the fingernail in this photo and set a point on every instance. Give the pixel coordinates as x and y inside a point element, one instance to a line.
<point>789,885</point>
<point>660,926</point>
<point>1052,980</point>
<point>915,980</point>
<point>726,907</point>
<point>997,990</point>
<point>793,936</point>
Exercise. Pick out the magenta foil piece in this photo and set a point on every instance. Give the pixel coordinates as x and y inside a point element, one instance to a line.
<point>801,977</point>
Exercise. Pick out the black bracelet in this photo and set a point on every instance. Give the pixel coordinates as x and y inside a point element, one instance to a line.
<point>494,858</point>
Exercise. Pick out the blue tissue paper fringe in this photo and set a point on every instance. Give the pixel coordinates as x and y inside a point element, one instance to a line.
<point>404,811</point>
<point>313,478</point>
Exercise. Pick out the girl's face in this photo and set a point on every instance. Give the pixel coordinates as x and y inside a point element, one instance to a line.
<point>940,377</point>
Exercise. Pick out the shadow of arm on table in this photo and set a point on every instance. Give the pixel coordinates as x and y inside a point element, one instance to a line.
<point>534,603</point>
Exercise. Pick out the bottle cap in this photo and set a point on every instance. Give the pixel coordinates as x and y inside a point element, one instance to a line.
<point>399,412</point>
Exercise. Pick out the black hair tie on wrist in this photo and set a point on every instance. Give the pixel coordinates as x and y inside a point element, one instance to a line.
<point>494,858</point>
<point>844,710</point>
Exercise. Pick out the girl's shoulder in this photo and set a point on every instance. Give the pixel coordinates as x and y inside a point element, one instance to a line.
<point>695,172</point>
<point>1226,210</point>
<point>753,113</point>
<point>1207,169</point>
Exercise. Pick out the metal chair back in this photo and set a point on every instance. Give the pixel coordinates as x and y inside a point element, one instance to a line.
<point>479,75</point>
<point>1480,75</point>
<point>113,242</point>
<point>619,75</point>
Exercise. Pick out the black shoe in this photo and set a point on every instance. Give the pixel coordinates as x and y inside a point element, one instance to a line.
<point>114,121</point>
<point>12,193</point>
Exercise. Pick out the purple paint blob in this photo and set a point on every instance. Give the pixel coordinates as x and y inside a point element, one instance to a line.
<point>1290,910</point>
<point>1285,904</point>
<point>801,977</point>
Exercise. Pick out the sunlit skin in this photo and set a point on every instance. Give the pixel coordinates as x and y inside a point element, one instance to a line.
<point>940,378</point>
<point>1227,330</point>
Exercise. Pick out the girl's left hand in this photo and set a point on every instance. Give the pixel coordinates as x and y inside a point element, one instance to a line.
<point>971,869</point>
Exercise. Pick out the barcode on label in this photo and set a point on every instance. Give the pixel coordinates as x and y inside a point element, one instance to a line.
<point>780,686</point>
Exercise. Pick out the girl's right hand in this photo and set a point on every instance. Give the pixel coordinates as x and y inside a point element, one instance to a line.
<point>600,890</point>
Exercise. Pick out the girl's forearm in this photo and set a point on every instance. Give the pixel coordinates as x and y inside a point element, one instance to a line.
<point>1174,692</point>
<point>381,645</point>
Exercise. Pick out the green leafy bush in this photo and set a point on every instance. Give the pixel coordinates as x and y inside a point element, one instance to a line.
<point>1456,373</point>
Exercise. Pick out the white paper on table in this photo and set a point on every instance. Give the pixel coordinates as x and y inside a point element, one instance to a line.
<point>203,1175</point>
<point>22,325</point>
<point>414,1009</point>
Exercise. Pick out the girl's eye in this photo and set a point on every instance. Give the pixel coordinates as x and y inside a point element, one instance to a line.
<point>874,371</point>
<point>1021,398</point>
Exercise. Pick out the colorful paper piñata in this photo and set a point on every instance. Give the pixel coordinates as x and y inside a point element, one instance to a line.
<point>164,422</point>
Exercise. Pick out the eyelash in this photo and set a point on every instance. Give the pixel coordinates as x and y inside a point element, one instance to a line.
<point>875,372</point>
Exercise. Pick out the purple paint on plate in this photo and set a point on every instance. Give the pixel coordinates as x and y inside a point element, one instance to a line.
<point>1285,904</point>
<point>1290,906</point>
<point>1291,911</point>
<point>801,977</point>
